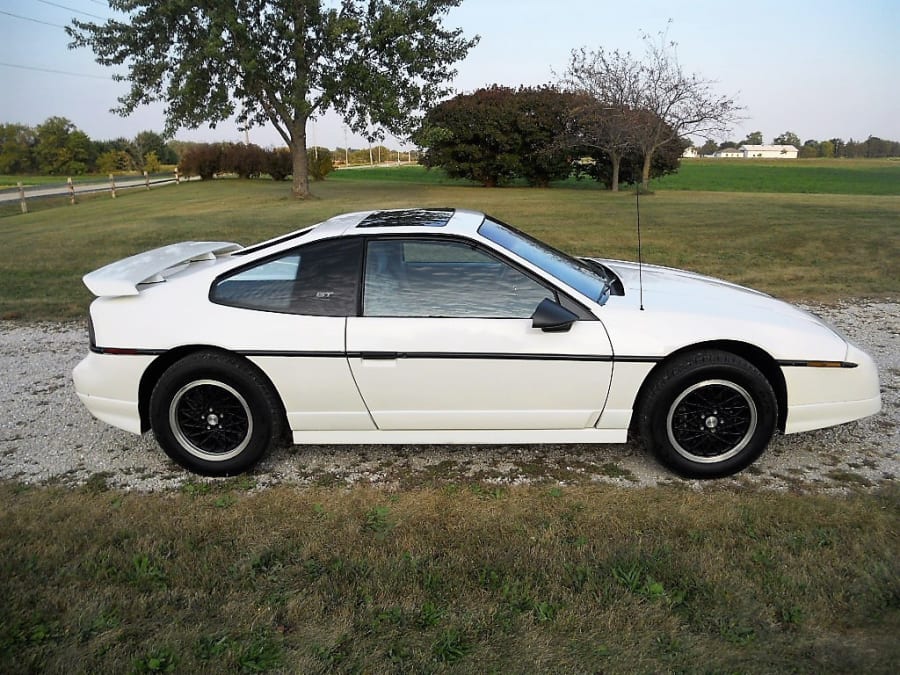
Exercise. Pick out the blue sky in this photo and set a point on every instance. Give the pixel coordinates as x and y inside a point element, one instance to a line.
<point>820,68</point>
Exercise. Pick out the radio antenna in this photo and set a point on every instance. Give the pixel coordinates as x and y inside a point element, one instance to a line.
<point>637,204</point>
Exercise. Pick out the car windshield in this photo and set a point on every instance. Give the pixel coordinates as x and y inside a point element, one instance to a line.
<point>589,281</point>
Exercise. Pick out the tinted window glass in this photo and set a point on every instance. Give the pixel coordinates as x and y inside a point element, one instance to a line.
<point>577,274</point>
<point>422,278</point>
<point>321,279</point>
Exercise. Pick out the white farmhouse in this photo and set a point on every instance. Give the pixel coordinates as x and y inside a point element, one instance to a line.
<point>690,153</point>
<point>768,151</point>
<point>729,152</point>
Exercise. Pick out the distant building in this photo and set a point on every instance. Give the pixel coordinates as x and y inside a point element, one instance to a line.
<point>728,152</point>
<point>690,153</point>
<point>769,151</point>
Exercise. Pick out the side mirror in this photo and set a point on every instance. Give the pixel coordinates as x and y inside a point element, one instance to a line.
<point>552,317</point>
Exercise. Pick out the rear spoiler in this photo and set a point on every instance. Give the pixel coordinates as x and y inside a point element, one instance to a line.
<point>124,276</point>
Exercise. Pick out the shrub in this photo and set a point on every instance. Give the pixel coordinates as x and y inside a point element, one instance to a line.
<point>247,161</point>
<point>202,159</point>
<point>320,162</point>
<point>279,163</point>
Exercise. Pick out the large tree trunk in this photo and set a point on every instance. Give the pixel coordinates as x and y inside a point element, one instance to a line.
<point>300,187</point>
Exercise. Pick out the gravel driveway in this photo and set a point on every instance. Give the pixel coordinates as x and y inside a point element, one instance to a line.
<point>46,435</point>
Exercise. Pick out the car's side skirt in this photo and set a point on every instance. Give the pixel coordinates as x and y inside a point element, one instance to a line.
<point>461,436</point>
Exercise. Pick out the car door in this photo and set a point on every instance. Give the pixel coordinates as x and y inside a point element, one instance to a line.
<point>445,341</point>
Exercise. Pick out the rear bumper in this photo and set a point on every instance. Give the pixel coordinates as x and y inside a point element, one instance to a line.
<point>108,386</point>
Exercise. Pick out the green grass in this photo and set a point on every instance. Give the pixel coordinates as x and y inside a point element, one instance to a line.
<point>813,247</point>
<point>849,177</point>
<point>459,578</point>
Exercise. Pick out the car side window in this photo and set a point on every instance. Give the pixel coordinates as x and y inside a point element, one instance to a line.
<point>429,278</point>
<point>319,279</point>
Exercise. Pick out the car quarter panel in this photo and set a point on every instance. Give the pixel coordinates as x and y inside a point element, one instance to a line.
<point>303,356</point>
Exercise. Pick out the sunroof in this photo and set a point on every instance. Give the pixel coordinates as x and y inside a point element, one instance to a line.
<point>408,218</point>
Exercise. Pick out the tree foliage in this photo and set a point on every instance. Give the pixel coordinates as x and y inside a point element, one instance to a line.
<point>281,62</point>
<point>753,138</point>
<point>498,133</point>
<point>788,138</point>
<point>17,143</point>
<point>61,149</point>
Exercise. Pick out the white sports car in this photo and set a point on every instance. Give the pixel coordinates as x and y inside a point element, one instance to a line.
<point>448,326</point>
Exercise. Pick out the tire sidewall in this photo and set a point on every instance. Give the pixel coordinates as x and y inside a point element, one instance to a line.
<point>218,368</point>
<point>680,376</point>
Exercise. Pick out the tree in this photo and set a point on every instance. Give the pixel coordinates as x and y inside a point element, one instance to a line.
<point>114,161</point>
<point>498,133</point>
<point>595,127</point>
<point>665,160</point>
<point>541,117</point>
<point>61,148</point>
<point>150,141</point>
<point>280,61</point>
<point>708,148</point>
<point>679,104</point>
<point>474,136</point>
<point>753,138</point>
<point>16,148</point>
<point>788,138</point>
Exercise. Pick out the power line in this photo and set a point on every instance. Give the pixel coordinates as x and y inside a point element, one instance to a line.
<point>58,72</point>
<point>72,9</point>
<point>28,18</point>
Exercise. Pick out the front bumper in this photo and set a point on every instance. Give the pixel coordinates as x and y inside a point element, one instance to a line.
<point>824,397</point>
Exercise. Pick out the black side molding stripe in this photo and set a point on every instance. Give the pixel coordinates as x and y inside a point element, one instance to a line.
<point>385,355</point>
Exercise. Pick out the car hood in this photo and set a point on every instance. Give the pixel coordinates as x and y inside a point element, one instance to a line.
<point>711,308</point>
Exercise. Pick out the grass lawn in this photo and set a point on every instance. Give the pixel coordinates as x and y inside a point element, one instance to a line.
<point>822,176</point>
<point>446,577</point>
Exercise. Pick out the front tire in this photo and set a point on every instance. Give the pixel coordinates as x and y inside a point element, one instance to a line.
<point>214,413</point>
<point>708,414</point>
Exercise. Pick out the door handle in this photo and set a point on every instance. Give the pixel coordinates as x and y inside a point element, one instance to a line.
<point>379,356</point>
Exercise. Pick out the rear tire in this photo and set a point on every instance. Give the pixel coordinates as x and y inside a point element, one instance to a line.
<point>215,414</point>
<point>708,414</point>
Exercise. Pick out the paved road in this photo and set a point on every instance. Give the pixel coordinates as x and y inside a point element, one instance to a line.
<point>62,190</point>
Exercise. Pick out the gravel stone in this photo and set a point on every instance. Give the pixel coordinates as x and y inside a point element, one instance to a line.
<point>48,437</point>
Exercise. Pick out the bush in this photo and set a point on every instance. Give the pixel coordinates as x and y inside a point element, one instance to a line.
<point>279,163</point>
<point>320,162</point>
<point>202,159</point>
<point>247,161</point>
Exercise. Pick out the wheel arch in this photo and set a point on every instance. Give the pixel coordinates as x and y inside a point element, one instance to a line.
<point>761,359</point>
<point>159,365</point>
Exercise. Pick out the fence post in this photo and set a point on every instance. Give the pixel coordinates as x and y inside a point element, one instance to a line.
<point>112,186</point>
<point>146,180</point>
<point>71,190</point>
<point>177,177</point>
<point>22,198</point>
